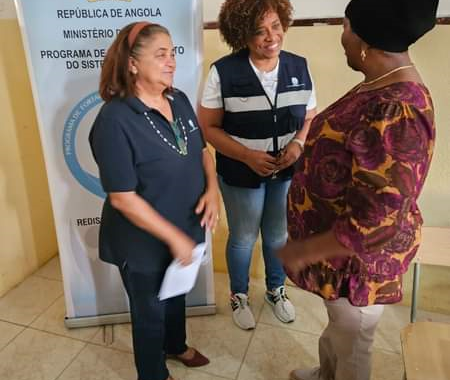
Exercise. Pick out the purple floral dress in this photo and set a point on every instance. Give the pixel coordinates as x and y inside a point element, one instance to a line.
<point>364,165</point>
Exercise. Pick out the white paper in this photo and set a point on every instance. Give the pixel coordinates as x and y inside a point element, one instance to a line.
<point>180,279</point>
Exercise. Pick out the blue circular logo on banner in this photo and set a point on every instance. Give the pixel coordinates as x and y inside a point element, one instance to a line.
<point>87,180</point>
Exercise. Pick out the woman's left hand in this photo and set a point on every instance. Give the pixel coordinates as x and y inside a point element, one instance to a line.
<point>289,155</point>
<point>298,254</point>
<point>209,206</point>
<point>295,256</point>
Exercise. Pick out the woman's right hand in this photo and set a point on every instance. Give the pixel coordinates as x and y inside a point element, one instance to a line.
<point>181,247</point>
<point>261,162</point>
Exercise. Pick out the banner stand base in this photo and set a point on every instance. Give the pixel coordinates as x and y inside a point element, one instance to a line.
<point>112,319</point>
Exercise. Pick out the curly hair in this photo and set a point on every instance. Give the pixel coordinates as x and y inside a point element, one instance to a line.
<point>239,19</point>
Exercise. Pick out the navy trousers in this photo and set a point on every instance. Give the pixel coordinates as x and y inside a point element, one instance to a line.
<point>158,327</point>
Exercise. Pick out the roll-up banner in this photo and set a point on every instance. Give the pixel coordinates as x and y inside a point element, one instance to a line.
<point>65,43</point>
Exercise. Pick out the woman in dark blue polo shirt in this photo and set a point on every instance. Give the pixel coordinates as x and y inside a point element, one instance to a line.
<point>161,185</point>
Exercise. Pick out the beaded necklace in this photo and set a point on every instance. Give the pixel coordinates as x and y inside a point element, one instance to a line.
<point>182,142</point>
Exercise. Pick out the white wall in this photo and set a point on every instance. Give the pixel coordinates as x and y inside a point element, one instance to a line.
<point>308,8</point>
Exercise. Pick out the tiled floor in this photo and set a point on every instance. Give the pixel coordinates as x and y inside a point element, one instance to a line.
<point>35,345</point>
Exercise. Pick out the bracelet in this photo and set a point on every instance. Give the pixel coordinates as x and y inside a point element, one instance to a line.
<point>300,143</point>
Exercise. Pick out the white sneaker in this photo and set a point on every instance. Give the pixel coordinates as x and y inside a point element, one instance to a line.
<point>282,307</point>
<point>305,374</point>
<point>242,315</point>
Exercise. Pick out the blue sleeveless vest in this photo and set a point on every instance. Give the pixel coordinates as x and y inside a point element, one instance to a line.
<point>251,119</point>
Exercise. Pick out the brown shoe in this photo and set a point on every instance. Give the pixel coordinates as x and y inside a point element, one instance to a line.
<point>198,360</point>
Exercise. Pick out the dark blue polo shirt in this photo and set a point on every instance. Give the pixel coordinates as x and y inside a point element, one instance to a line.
<point>132,156</point>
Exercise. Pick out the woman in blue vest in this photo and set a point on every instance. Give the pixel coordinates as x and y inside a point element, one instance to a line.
<point>256,109</point>
<point>146,142</point>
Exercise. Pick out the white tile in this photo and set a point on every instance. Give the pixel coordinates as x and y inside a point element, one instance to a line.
<point>52,320</point>
<point>387,335</point>
<point>35,355</point>
<point>122,338</point>
<point>268,353</point>
<point>275,351</point>
<point>8,332</point>
<point>311,313</point>
<point>387,366</point>
<point>100,363</point>
<point>179,372</point>
<point>221,341</point>
<point>51,270</point>
<point>394,319</point>
<point>29,300</point>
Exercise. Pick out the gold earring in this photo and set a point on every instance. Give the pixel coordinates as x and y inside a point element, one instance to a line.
<point>134,71</point>
<point>363,55</point>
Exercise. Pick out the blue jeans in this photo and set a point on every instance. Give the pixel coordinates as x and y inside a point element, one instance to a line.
<point>250,211</point>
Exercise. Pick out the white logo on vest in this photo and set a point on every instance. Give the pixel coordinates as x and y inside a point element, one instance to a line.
<point>295,83</point>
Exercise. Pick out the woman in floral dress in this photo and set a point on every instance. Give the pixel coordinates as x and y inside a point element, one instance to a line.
<point>353,218</point>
